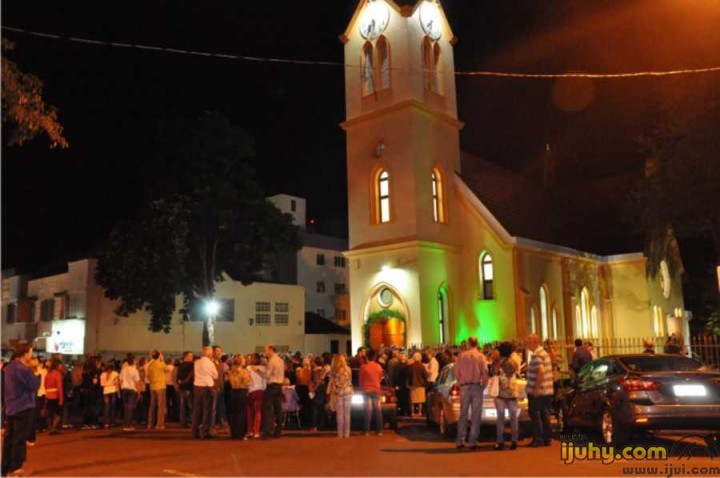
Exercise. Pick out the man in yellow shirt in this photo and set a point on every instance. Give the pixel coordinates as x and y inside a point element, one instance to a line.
<point>156,371</point>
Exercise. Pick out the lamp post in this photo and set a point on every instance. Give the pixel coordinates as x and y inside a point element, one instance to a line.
<point>212,307</point>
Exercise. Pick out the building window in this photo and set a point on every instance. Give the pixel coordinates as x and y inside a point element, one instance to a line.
<point>47,310</point>
<point>443,314</point>
<point>340,288</point>
<point>658,321</point>
<point>262,306</point>
<point>587,322</point>
<point>554,324</point>
<point>383,197</point>
<point>438,197</point>
<point>293,205</point>
<point>437,70</point>
<point>226,311</point>
<point>282,307</point>
<point>339,261</point>
<point>533,320</point>
<point>321,312</point>
<point>320,259</point>
<point>544,312</point>
<point>320,287</point>
<point>487,276</point>
<point>340,314</point>
<point>11,313</point>
<point>262,319</point>
<point>383,56</point>
<point>367,71</point>
<point>282,319</point>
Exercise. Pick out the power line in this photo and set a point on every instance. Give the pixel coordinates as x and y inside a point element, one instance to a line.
<point>259,59</point>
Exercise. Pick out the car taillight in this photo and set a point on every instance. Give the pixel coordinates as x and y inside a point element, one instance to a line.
<point>638,385</point>
<point>455,391</point>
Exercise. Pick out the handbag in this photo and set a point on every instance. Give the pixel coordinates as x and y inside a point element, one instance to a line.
<point>493,387</point>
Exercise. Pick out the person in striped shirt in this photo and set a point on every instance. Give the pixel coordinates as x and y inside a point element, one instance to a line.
<point>540,391</point>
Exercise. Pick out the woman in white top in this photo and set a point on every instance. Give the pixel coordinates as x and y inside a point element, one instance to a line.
<point>255,396</point>
<point>110,383</point>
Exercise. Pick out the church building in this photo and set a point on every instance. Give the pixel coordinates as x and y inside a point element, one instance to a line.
<point>444,245</point>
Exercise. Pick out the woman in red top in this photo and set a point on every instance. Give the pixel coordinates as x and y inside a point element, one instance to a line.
<point>54,397</point>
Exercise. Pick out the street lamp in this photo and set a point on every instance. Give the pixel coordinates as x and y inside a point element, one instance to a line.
<point>212,307</point>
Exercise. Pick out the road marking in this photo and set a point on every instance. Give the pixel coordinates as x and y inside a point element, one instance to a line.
<point>179,473</point>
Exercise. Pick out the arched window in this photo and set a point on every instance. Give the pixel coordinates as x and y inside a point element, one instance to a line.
<point>585,312</point>
<point>383,57</point>
<point>658,321</point>
<point>438,197</point>
<point>578,321</point>
<point>554,324</point>
<point>533,320</point>
<point>367,71</point>
<point>544,312</point>
<point>443,313</point>
<point>587,319</point>
<point>487,276</point>
<point>437,70</point>
<point>383,196</point>
<point>594,328</point>
<point>428,63</point>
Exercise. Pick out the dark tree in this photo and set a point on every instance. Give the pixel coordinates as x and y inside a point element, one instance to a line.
<point>206,217</point>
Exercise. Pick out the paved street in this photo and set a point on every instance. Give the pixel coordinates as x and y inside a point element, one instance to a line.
<point>412,451</point>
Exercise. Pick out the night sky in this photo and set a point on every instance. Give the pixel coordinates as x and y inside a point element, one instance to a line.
<point>61,204</point>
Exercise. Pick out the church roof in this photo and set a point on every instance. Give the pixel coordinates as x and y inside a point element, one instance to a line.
<point>586,216</point>
<point>521,205</point>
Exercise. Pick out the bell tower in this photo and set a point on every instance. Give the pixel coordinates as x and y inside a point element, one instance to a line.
<point>402,127</point>
<point>402,155</point>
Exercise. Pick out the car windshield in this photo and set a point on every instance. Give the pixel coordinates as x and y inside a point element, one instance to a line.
<point>661,363</point>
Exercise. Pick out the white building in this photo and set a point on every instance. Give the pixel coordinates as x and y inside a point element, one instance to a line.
<point>68,313</point>
<point>319,266</point>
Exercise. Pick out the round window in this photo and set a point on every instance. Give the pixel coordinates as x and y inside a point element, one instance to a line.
<point>385,297</point>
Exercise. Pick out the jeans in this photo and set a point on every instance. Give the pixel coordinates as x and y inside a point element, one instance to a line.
<point>512,406</point>
<point>109,412</point>
<point>157,406</point>
<point>90,399</point>
<point>343,415</point>
<point>272,409</point>
<point>539,409</point>
<point>202,406</point>
<point>186,406</point>
<point>215,407</point>
<point>471,396</point>
<point>372,407</point>
<point>254,412</point>
<point>14,445</point>
<point>129,398</point>
<point>36,418</point>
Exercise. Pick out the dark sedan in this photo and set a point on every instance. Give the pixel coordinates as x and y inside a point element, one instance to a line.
<point>621,394</point>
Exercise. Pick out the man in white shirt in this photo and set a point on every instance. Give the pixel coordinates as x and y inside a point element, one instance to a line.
<point>272,400</point>
<point>129,377</point>
<point>433,369</point>
<point>205,373</point>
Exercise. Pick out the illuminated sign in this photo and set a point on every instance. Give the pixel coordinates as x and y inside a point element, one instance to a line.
<point>68,337</point>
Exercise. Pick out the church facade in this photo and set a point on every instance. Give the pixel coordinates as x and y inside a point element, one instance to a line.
<point>443,245</point>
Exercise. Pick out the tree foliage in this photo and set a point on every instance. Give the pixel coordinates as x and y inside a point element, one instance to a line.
<point>680,194</point>
<point>23,107</point>
<point>206,217</point>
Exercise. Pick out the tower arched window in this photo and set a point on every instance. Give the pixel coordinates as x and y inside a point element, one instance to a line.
<point>544,322</point>
<point>383,62</point>
<point>383,196</point>
<point>658,321</point>
<point>554,324</point>
<point>428,63</point>
<point>437,69</point>
<point>587,319</point>
<point>438,196</point>
<point>367,70</point>
<point>443,313</point>
<point>487,276</point>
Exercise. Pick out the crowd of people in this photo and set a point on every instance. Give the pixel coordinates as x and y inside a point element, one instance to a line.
<point>253,396</point>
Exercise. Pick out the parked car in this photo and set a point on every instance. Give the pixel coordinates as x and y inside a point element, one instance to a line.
<point>388,403</point>
<point>619,395</point>
<point>443,405</point>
